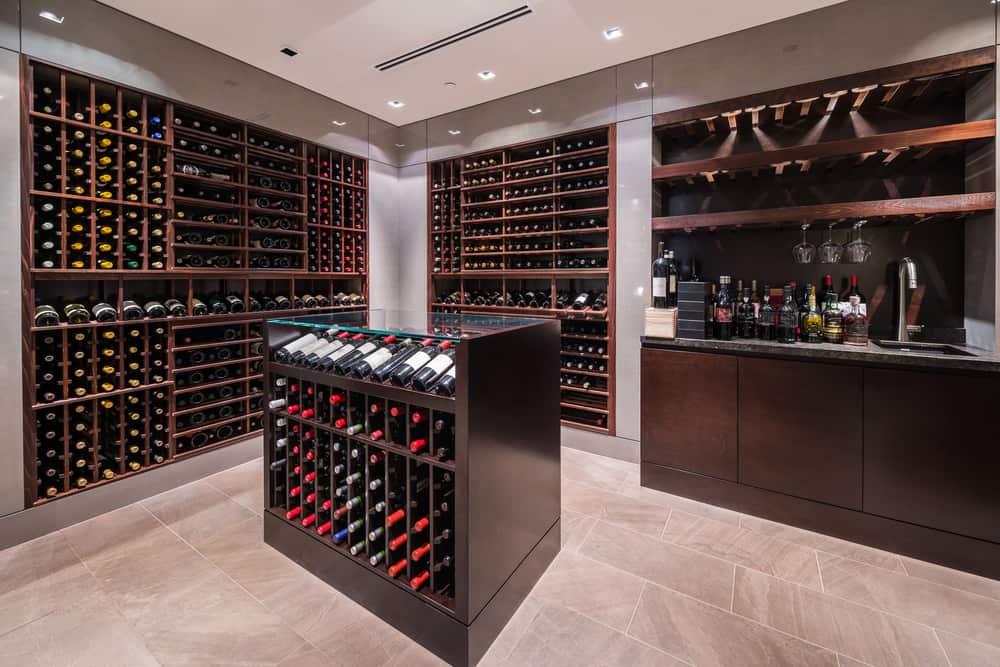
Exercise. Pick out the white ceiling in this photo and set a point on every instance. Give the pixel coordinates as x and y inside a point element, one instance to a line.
<point>340,40</point>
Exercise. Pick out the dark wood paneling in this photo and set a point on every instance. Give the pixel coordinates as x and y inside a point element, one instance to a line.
<point>957,203</point>
<point>931,454</point>
<point>812,449</point>
<point>936,546</point>
<point>703,389</point>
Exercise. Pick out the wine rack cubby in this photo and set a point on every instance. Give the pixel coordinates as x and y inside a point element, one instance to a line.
<point>437,512</point>
<point>527,230</point>
<point>157,236</point>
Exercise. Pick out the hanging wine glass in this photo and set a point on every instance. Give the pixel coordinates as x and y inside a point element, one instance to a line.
<point>804,252</point>
<point>829,250</point>
<point>858,250</point>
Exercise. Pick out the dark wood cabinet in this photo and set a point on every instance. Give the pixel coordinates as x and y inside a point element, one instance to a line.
<point>807,448</point>
<point>688,412</point>
<point>931,452</point>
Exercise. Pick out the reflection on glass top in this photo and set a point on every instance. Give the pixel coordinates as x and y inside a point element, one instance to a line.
<point>444,326</point>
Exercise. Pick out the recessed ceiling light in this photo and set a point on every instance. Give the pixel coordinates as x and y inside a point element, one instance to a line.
<point>340,123</point>
<point>454,132</point>
<point>613,33</point>
<point>400,145</point>
<point>450,84</point>
<point>535,111</point>
<point>486,75</point>
<point>50,16</point>
<point>395,104</point>
<point>640,85</point>
<point>290,52</point>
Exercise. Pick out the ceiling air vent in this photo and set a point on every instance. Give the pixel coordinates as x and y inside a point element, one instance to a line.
<point>506,17</point>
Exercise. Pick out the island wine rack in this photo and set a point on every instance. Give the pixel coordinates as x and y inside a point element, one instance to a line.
<point>529,229</point>
<point>156,236</point>
<point>438,512</point>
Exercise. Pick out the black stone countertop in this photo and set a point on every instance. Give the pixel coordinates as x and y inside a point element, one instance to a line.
<point>872,355</point>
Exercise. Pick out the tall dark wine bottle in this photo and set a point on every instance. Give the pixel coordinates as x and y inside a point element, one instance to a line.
<point>660,277</point>
<point>425,378</point>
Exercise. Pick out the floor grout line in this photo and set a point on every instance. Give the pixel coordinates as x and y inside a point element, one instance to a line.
<point>941,645</point>
<point>732,599</point>
<point>819,568</point>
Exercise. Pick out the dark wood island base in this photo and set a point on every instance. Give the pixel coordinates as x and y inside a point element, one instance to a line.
<point>896,453</point>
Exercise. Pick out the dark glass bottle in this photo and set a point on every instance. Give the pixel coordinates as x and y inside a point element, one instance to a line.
<point>788,318</point>
<point>660,277</point>
<point>723,311</point>
<point>745,317</point>
<point>853,291</point>
<point>767,317</point>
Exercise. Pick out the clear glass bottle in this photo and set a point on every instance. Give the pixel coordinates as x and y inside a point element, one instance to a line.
<point>812,321</point>
<point>767,317</point>
<point>833,319</point>
<point>724,307</point>
<point>788,318</point>
<point>855,324</point>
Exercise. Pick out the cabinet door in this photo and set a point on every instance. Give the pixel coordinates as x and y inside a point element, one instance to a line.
<point>932,450</point>
<point>801,429</point>
<point>688,411</point>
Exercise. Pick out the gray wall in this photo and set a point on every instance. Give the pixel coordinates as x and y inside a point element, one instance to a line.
<point>849,37</point>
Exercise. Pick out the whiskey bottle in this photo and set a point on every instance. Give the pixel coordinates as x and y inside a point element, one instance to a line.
<point>745,317</point>
<point>767,317</point>
<point>855,324</point>
<point>812,321</point>
<point>788,318</point>
<point>833,318</point>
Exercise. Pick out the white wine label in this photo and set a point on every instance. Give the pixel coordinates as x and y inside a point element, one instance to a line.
<point>367,348</point>
<point>417,361</point>
<point>659,287</point>
<point>341,352</point>
<point>440,363</point>
<point>297,345</point>
<point>379,357</point>
<point>673,284</point>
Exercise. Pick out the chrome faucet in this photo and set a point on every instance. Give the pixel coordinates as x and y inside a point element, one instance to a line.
<point>908,272</point>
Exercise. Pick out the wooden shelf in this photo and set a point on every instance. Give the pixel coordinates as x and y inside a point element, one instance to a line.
<point>919,206</point>
<point>930,136</point>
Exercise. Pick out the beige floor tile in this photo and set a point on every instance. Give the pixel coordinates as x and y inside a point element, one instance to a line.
<point>196,511</point>
<point>703,577</point>
<point>954,578</point>
<point>595,474</point>
<point>559,637</point>
<point>37,578</point>
<point>614,508</point>
<point>744,547</point>
<point>603,593</point>
<point>361,639</point>
<point>654,497</point>
<point>967,653</point>
<point>90,633</point>
<point>846,661</point>
<point>573,528</point>
<point>218,623</point>
<point>307,656</point>
<point>115,533</point>
<point>943,607</point>
<point>832,545</point>
<point>856,631</point>
<point>709,637</point>
<point>244,484</point>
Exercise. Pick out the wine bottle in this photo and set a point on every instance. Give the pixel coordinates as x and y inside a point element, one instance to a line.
<point>405,371</point>
<point>425,378</point>
<point>283,354</point>
<point>446,385</point>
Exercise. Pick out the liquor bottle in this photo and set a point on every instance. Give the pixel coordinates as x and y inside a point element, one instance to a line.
<point>661,274</point>
<point>833,318</point>
<point>853,291</point>
<point>723,311</point>
<point>767,317</point>
<point>754,297</point>
<point>745,317</point>
<point>855,323</point>
<point>828,291</point>
<point>788,318</point>
<point>812,321</point>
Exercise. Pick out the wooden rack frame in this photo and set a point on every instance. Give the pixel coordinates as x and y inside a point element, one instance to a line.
<point>457,184</point>
<point>247,155</point>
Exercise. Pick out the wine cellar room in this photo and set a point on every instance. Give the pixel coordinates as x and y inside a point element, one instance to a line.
<point>348,334</point>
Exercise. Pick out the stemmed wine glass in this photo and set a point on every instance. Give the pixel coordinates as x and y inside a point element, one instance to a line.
<point>829,250</point>
<point>804,252</point>
<point>858,250</point>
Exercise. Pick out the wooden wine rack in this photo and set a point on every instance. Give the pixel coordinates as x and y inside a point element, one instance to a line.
<point>457,190</point>
<point>149,265</point>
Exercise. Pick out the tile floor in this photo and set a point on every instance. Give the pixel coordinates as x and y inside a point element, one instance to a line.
<point>644,579</point>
